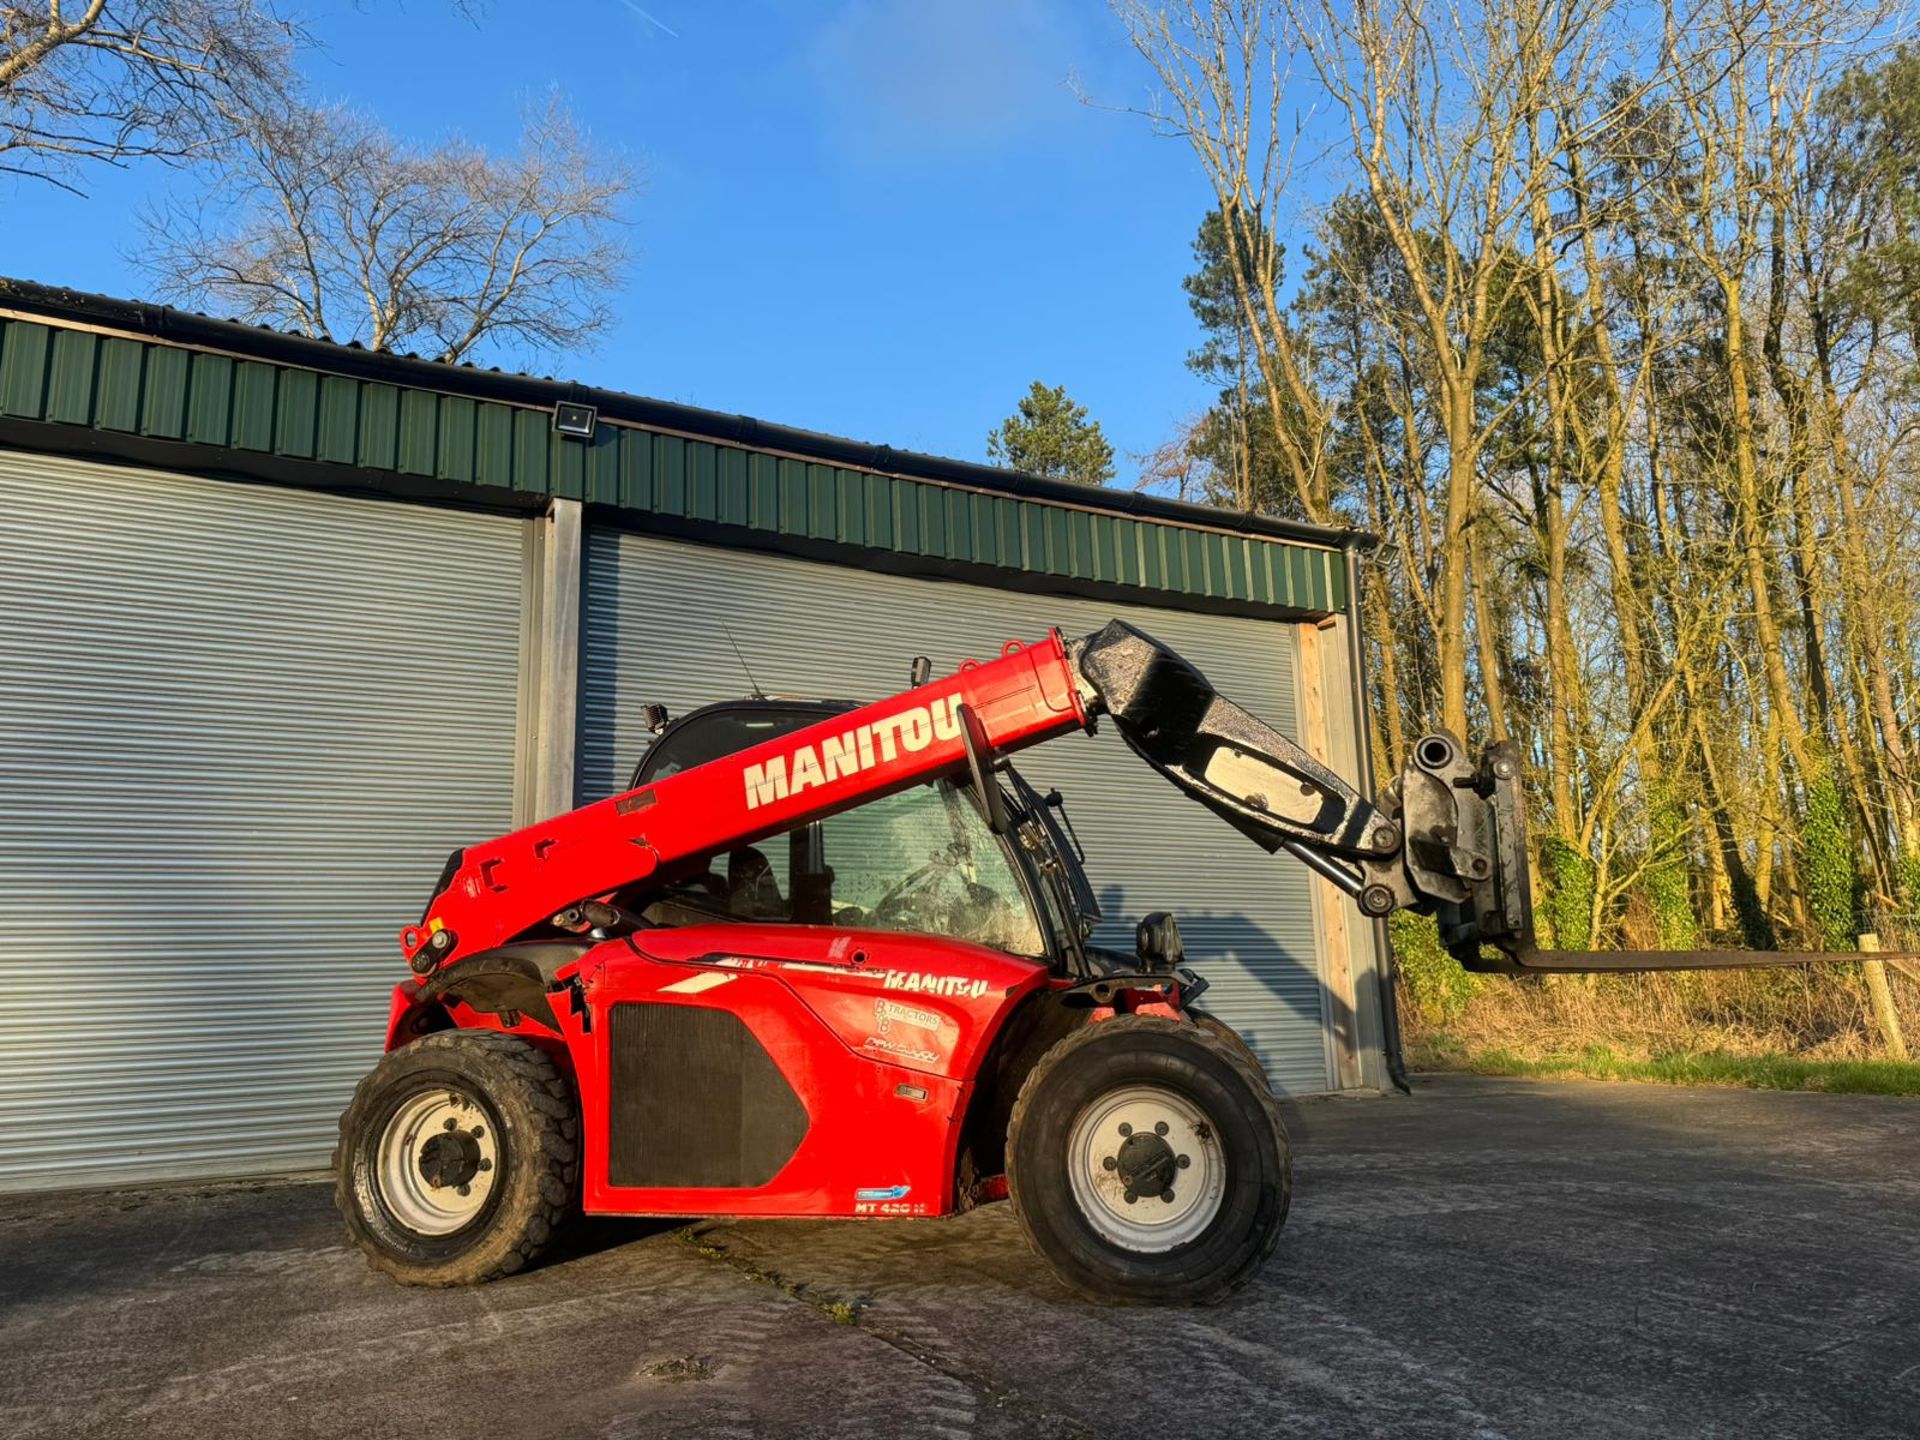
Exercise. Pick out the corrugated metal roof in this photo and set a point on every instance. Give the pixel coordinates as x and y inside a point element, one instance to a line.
<point>121,368</point>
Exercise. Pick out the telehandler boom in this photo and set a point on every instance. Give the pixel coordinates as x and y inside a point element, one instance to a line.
<point>1254,777</point>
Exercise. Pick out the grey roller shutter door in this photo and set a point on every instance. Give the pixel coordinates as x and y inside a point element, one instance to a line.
<point>240,729</point>
<point>655,627</point>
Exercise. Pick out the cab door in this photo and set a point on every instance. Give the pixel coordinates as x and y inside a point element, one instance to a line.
<point>800,1032</point>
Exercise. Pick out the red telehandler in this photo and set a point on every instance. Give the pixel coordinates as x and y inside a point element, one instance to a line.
<point>827,960</point>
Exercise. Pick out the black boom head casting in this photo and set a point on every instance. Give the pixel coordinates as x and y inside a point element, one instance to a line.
<point>1448,836</point>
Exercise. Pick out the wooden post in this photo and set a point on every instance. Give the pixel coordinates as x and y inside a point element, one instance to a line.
<point>1881,994</point>
<point>1330,903</point>
<point>550,665</point>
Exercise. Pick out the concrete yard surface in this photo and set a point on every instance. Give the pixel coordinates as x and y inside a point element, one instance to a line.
<point>1488,1258</point>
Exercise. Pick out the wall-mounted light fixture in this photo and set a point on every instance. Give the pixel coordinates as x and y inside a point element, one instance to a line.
<point>570,418</point>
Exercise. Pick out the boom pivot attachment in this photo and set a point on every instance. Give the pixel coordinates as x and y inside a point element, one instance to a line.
<point>1448,836</point>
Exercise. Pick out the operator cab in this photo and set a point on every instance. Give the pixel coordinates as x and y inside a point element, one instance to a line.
<point>927,859</point>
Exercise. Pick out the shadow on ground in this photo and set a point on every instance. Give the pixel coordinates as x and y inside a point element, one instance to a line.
<point>1488,1258</point>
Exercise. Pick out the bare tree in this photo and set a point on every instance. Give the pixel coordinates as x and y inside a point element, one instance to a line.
<point>1447,115</point>
<point>119,80</point>
<point>1176,466</point>
<point>1222,73</point>
<point>1610,325</point>
<point>326,224</point>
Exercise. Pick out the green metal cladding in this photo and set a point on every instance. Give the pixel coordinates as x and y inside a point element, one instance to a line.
<point>167,392</point>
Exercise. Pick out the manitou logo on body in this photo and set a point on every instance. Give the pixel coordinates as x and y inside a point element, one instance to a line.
<point>861,748</point>
<point>963,987</point>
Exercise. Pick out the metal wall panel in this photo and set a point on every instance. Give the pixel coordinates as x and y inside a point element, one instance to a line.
<point>164,392</point>
<point>655,627</point>
<point>240,728</point>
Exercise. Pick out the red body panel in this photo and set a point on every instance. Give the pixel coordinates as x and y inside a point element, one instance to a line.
<point>520,880</point>
<point>879,1034</point>
<point>883,1118</point>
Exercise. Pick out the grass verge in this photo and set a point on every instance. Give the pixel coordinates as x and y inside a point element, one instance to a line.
<point>1755,1072</point>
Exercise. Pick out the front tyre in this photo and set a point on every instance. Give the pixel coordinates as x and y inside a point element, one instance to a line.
<point>1147,1164</point>
<point>458,1158</point>
<point>1232,1039</point>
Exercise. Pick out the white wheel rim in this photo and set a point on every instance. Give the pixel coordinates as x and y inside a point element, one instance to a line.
<point>437,1132</point>
<point>1150,1222</point>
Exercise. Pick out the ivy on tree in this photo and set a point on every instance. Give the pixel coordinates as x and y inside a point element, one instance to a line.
<point>1051,436</point>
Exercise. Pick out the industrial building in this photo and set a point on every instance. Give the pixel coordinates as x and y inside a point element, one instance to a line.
<point>283,621</point>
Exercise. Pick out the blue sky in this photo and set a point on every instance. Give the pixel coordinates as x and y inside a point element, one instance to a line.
<point>880,218</point>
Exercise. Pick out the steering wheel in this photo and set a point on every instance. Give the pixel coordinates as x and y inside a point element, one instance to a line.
<point>975,913</point>
<point>928,874</point>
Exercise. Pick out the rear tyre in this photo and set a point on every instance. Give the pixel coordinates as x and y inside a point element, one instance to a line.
<point>1147,1164</point>
<point>458,1158</point>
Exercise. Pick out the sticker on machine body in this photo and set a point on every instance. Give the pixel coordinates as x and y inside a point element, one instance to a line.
<point>918,982</point>
<point>904,1052</point>
<point>887,1200</point>
<point>836,761</point>
<point>913,982</point>
<point>696,984</point>
<point>888,1013</point>
<point>757,962</point>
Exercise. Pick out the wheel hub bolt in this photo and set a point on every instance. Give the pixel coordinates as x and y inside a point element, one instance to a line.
<point>488,1164</point>
<point>1166,1197</point>
<point>1109,1163</point>
<point>464,1189</point>
<point>1131,1197</point>
<point>1146,1164</point>
<point>452,1124</point>
<point>1161,1128</point>
<point>1183,1161</point>
<point>448,1158</point>
<point>1125,1129</point>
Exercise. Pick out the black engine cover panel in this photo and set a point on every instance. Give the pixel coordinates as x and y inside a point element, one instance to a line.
<point>695,1100</point>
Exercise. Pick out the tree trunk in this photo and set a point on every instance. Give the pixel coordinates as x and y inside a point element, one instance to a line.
<point>1461,485</point>
<point>1486,632</point>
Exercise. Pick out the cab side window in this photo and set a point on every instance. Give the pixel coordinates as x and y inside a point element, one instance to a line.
<point>921,861</point>
<point>924,860</point>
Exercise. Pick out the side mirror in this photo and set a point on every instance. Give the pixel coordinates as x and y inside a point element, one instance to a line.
<point>1156,941</point>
